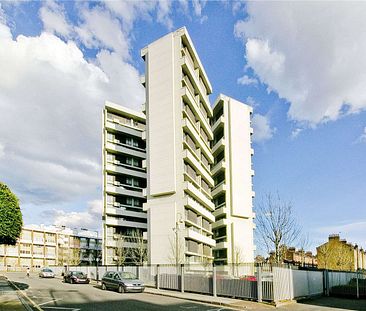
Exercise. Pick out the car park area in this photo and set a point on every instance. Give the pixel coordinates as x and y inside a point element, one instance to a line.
<point>54,294</point>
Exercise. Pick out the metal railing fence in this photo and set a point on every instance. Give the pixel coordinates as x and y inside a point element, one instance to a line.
<point>247,281</point>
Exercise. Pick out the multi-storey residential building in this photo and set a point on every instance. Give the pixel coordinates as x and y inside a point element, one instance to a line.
<point>179,202</point>
<point>232,174</point>
<point>124,178</point>
<point>40,246</point>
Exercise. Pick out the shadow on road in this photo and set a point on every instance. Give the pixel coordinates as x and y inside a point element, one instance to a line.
<point>21,286</point>
<point>338,303</point>
<point>137,305</point>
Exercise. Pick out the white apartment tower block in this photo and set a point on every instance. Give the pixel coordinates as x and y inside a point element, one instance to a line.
<point>179,202</point>
<point>232,173</point>
<point>124,179</point>
<point>197,206</point>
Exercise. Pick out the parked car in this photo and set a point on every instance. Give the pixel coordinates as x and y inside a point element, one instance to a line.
<point>76,277</point>
<point>46,273</point>
<point>122,282</point>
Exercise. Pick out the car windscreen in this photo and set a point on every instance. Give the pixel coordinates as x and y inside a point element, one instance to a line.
<point>78,274</point>
<point>127,276</point>
<point>46,270</point>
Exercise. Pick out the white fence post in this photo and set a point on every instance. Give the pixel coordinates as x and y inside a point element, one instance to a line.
<point>214,289</point>
<point>182,278</point>
<point>259,283</point>
<point>158,276</point>
<point>326,282</point>
<point>357,289</point>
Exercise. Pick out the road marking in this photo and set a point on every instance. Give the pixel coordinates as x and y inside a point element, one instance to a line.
<point>53,300</point>
<point>192,307</point>
<point>62,308</point>
<point>22,292</point>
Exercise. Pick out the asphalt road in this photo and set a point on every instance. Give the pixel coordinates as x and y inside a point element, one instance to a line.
<point>54,295</point>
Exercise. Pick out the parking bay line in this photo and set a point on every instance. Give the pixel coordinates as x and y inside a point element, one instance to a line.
<point>62,308</point>
<point>53,300</point>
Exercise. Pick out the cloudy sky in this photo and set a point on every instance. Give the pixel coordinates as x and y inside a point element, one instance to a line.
<point>301,65</point>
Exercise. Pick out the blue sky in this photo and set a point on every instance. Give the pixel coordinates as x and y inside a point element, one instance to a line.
<point>303,74</point>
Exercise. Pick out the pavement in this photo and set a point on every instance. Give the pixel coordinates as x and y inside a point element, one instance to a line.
<point>9,297</point>
<point>236,304</point>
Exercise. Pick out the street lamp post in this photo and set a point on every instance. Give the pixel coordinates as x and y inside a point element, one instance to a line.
<point>176,231</point>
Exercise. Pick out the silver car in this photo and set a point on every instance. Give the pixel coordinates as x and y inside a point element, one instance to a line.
<point>46,273</point>
<point>122,282</point>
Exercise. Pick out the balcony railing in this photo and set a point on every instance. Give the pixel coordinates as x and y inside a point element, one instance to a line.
<point>124,121</point>
<point>205,187</point>
<point>189,57</point>
<point>191,173</point>
<point>190,114</point>
<point>204,136</point>
<point>190,143</point>
<point>189,85</point>
<point>205,162</point>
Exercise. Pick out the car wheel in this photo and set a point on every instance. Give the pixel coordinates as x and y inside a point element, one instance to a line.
<point>104,287</point>
<point>121,289</point>
<point>71,281</point>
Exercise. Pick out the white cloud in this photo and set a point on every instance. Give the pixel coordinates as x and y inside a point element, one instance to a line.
<point>53,98</point>
<point>2,151</point>
<point>198,6</point>
<point>296,132</point>
<point>262,130</point>
<point>184,5</point>
<point>129,11</point>
<point>237,5</point>
<point>362,138</point>
<point>246,80</point>
<point>353,232</point>
<point>163,13</point>
<point>100,30</point>
<point>89,218</point>
<point>308,59</point>
<point>53,17</point>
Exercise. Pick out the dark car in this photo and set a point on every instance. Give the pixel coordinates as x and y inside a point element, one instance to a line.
<point>76,277</point>
<point>122,282</point>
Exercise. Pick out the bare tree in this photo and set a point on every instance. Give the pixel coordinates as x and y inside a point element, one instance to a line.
<point>335,256</point>
<point>120,251</point>
<point>75,258</point>
<point>276,225</point>
<point>176,254</point>
<point>237,259</point>
<point>138,253</point>
<point>259,259</point>
<point>344,257</point>
<point>304,243</point>
<point>207,264</point>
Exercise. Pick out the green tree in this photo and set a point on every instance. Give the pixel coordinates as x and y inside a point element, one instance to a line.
<point>11,220</point>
